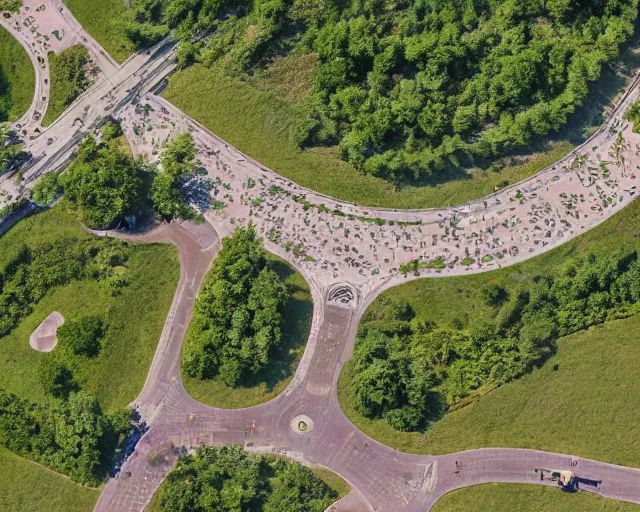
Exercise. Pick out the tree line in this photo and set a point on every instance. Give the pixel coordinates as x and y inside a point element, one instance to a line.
<point>409,89</point>
<point>34,271</point>
<point>409,371</point>
<point>71,436</point>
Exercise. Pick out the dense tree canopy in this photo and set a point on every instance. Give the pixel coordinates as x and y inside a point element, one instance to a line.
<point>10,149</point>
<point>177,165</point>
<point>228,478</point>
<point>409,88</point>
<point>72,436</point>
<point>406,371</point>
<point>82,335</point>
<point>237,319</point>
<point>105,185</point>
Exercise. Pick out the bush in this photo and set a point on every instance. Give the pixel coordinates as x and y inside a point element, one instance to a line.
<point>47,190</point>
<point>56,378</point>
<point>82,336</point>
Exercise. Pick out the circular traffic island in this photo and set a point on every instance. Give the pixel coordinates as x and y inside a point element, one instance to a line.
<point>302,424</point>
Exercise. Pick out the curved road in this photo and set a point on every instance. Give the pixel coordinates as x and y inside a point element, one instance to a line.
<point>559,203</point>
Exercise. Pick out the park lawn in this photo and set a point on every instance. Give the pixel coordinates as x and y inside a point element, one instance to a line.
<point>260,124</point>
<point>276,376</point>
<point>29,487</point>
<point>526,498</point>
<point>17,78</point>
<point>135,318</point>
<point>587,407</point>
<point>103,20</point>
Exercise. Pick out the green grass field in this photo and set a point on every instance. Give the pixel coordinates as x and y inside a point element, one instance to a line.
<point>592,395</point>
<point>102,19</point>
<point>17,78</point>
<point>526,498</point>
<point>135,318</point>
<point>273,379</point>
<point>260,124</point>
<point>28,487</point>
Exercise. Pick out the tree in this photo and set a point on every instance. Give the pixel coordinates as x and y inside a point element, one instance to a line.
<point>219,479</point>
<point>47,190</point>
<point>56,378</point>
<point>236,326</point>
<point>177,165</point>
<point>105,185</point>
<point>82,336</point>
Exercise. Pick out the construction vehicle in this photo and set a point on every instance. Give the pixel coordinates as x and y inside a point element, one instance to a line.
<point>567,480</point>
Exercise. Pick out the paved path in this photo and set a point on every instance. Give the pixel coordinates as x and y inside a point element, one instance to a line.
<point>352,261</point>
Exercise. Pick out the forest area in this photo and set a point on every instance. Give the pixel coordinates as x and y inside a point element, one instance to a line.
<point>409,371</point>
<point>408,90</point>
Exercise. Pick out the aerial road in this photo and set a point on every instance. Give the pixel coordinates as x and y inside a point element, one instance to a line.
<point>352,254</point>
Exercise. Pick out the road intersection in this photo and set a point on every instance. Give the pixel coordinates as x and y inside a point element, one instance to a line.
<point>348,254</point>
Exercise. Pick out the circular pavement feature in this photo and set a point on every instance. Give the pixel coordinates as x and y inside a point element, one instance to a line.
<point>302,424</point>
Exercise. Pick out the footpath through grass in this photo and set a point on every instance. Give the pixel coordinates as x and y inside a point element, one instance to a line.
<point>592,395</point>
<point>17,78</point>
<point>275,377</point>
<point>135,318</point>
<point>526,498</point>
<point>103,20</point>
<point>28,487</point>
<point>260,124</point>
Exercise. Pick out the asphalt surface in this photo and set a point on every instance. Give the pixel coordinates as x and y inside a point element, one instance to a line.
<point>382,478</point>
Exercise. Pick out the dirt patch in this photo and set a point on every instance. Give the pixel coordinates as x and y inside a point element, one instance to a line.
<point>44,338</point>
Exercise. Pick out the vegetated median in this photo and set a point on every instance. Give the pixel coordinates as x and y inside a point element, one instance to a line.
<point>526,498</point>
<point>209,481</point>
<point>17,78</point>
<point>446,390</point>
<point>249,328</point>
<point>115,301</point>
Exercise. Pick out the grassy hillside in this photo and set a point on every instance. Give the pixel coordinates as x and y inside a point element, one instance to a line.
<point>591,393</point>
<point>17,78</point>
<point>135,317</point>
<point>28,487</point>
<point>526,498</point>
<point>260,124</point>
<point>102,19</point>
<point>585,407</point>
